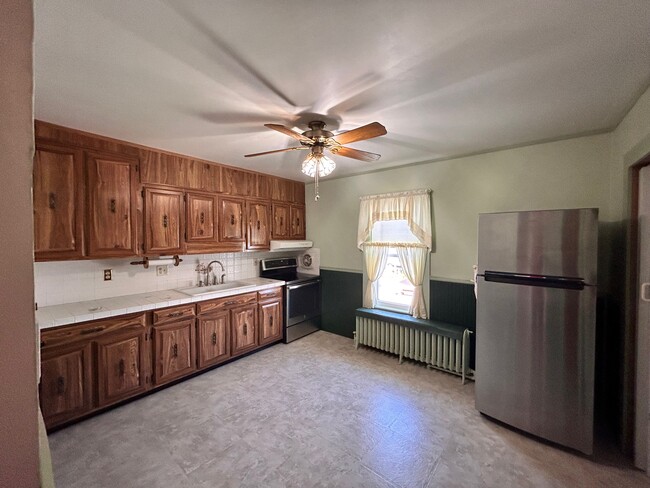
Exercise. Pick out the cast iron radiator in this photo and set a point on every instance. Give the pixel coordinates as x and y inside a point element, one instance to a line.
<point>441,346</point>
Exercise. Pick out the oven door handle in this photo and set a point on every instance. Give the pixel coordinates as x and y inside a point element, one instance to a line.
<point>309,283</point>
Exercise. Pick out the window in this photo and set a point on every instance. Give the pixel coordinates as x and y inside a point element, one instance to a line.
<point>394,290</point>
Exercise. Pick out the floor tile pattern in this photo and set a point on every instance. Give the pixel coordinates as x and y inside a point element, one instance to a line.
<point>317,413</point>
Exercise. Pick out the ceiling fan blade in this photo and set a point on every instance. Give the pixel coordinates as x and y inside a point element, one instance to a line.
<point>276,151</point>
<point>360,134</point>
<point>348,152</point>
<point>289,132</point>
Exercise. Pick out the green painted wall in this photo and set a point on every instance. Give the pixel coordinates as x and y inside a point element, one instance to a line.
<point>342,295</point>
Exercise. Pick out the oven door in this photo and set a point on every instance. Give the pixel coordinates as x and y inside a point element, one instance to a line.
<point>303,301</point>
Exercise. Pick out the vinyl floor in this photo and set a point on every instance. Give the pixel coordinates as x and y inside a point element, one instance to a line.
<point>317,412</point>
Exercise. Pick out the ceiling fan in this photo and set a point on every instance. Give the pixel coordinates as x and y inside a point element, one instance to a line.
<point>317,140</point>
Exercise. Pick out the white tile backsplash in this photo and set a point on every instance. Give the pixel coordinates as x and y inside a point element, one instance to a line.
<point>75,281</point>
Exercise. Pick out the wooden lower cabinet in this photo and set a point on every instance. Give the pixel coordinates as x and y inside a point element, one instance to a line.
<point>174,350</point>
<point>66,382</point>
<point>244,329</point>
<point>270,320</point>
<point>121,366</point>
<point>213,333</point>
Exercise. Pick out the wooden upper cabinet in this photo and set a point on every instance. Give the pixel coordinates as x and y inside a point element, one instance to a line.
<point>298,195</point>
<point>259,186</point>
<point>234,181</point>
<point>199,175</point>
<point>280,224</point>
<point>66,382</point>
<point>174,170</point>
<point>201,218</point>
<point>259,231</point>
<point>163,221</point>
<point>120,366</point>
<point>58,203</point>
<point>281,189</point>
<point>159,169</point>
<point>213,338</point>
<point>174,350</point>
<point>270,321</point>
<point>297,222</point>
<point>231,219</point>
<point>244,329</point>
<point>111,221</point>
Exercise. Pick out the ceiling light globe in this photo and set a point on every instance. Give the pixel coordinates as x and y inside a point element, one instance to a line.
<point>315,162</point>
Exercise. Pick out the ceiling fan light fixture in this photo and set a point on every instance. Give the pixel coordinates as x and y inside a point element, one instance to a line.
<point>318,164</point>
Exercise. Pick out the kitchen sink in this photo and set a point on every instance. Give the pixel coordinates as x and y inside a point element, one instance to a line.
<point>203,290</point>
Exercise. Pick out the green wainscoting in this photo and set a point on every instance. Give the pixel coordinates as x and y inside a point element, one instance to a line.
<point>342,295</point>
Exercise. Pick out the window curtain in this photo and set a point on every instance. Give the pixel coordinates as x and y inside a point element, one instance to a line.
<point>414,207</point>
<point>413,260</point>
<point>375,257</point>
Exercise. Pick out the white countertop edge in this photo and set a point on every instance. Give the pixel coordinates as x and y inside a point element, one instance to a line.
<point>66,314</point>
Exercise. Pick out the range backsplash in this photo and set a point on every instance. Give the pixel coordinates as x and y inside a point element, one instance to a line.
<point>60,282</point>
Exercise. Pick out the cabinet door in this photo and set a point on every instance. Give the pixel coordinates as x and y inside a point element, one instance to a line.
<point>258,225</point>
<point>58,203</point>
<point>120,366</point>
<point>299,192</point>
<point>231,221</point>
<point>163,221</point>
<point>297,222</point>
<point>234,181</point>
<point>201,218</point>
<point>66,383</point>
<point>281,189</point>
<point>244,325</point>
<point>213,339</point>
<point>270,320</point>
<point>174,350</point>
<point>111,206</point>
<point>259,186</point>
<point>281,225</point>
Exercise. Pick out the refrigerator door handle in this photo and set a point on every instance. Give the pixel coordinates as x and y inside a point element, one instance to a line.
<point>644,292</point>
<point>534,280</point>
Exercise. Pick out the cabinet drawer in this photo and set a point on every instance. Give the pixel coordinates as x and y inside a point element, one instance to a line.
<point>227,302</point>
<point>173,314</point>
<point>91,330</point>
<point>270,294</point>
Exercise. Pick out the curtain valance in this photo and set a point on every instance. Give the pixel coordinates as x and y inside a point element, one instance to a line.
<point>413,206</point>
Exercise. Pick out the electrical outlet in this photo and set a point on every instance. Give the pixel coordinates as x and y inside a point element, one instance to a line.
<point>108,275</point>
<point>161,270</point>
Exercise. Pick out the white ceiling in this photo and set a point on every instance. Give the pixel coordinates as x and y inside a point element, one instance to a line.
<point>446,78</point>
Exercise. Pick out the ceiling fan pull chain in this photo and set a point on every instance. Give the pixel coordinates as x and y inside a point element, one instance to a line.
<point>317,196</point>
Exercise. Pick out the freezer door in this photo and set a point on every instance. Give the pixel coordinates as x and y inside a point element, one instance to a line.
<point>535,359</point>
<point>546,242</point>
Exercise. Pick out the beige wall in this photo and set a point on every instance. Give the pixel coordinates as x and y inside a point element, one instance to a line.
<point>562,174</point>
<point>18,401</point>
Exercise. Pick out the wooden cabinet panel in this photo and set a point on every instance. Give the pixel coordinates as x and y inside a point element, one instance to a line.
<point>159,169</point>
<point>259,186</point>
<point>210,306</point>
<point>120,366</point>
<point>213,339</point>
<point>234,181</point>
<point>298,195</point>
<point>173,314</point>
<point>270,320</point>
<point>281,189</point>
<point>297,222</point>
<point>66,383</point>
<point>259,232</point>
<point>244,329</point>
<point>199,175</point>
<point>281,224</point>
<point>111,222</point>
<point>174,350</point>
<point>201,218</point>
<point>58,203</point>
<point>270,294</point>
<point>231,221</point>
<point>163,221</point>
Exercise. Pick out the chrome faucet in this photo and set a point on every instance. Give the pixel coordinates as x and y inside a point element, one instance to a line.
<point>208,268</point>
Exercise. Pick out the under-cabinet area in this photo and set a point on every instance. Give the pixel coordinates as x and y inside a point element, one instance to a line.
<point>96,197</point>
<point>91,365</point>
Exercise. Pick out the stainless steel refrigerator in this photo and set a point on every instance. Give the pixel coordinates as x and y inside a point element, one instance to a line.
<point>536,322</point>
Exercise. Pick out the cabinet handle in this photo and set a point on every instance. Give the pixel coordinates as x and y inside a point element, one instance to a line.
<point>231,302</point>
<point>214,338</point>
<point>258,225</point>
<point>232,219</point>
<point>202,218</point>
<point>281,222</point>
<point>200,232</point>
<point>175,314</point>
<point>297,221</point>
<point>52,197</point>
<point>121,367</point>
<point>113,205</point>
<point>165,221</point>
<point>60,385</point>
<point>271,320</point>
<point>175,350</point>
<point>91,331</point>
<point>245,329</point>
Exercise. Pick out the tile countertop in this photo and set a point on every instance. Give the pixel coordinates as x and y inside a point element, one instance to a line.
<point>70,313</point>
